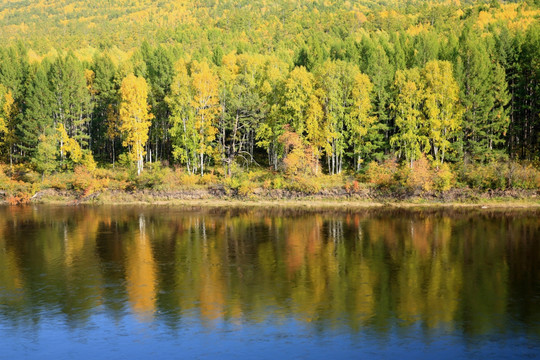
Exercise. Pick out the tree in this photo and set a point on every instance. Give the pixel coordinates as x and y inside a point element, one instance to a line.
<point>135,117</point>
<point>183,132</point>
<point>441,106</point>
<point>298,158</point>
<point>484,96</point>
<point>360,121</point>
<point>272,125</point>
<point>71,97</point>
<point>205,103</point>
<point>410,140</point>
<point>44,159</point>
<point>69,146</point>
<point>13,76</point>
<point>244,87</point>
<point>195,107</point>
<point>341,101</point>
<point>38,110</point>
<point>159,73</point>
<point>296,96</point>
<point>316,131</point>
<point>6,111</point>
<point>104,89</point>
<point>375,63</point>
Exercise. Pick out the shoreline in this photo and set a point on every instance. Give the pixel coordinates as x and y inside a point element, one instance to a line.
<point>190,198</point>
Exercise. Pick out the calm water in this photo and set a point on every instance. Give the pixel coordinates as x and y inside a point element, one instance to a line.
<point>123,282</point>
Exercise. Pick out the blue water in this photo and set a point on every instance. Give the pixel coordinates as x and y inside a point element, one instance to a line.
<point>170,284</point>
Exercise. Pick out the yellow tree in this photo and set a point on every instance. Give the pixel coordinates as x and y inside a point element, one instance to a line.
<point>205,103</point>
<point>441,106</point>
<point>6,117</point>
<point>297,97</point>
<point>410,139</point>
<point>135,117</point>
<point>70,146</point>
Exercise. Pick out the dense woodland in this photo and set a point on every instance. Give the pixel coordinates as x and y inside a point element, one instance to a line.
<point>296,87</point>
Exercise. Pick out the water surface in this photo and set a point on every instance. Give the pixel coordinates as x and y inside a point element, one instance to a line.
<point>128,282</point>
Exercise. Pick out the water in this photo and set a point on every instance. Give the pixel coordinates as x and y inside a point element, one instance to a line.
<point>125,282</point>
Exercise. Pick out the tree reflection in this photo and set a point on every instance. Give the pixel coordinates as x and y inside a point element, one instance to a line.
<point>469,272</point>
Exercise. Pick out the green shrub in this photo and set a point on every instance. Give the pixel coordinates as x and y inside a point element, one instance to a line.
<point>485,176</point>
<point>152,177</point>
<point>278,183</point>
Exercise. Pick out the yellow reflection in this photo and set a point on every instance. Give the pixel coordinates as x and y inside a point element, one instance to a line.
<point>10,277</point>
<point>141,274</point>
<point>212,299</point>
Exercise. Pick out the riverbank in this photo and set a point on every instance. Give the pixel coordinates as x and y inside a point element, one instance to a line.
<point>219,197</point>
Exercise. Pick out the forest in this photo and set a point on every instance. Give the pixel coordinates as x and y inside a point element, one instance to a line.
<point>301,95</point>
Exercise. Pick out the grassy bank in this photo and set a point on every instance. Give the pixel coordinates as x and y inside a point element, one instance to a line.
<point>380,184</point>
<point>215,197</point>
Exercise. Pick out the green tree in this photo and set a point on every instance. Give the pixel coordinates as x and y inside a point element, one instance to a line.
<point>484,97</point>
<point>360,122</point>
<point>184,135</point>
<point>244,87</point>
<point>72,105</point>
<point>104,90</point>
<point>44,159</point>
<point>38,110</point>
<point>159,73</point>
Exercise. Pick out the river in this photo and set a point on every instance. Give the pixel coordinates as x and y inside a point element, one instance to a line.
<point>122,282</point>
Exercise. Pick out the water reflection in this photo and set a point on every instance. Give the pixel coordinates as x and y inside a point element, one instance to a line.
<point>469,273</point>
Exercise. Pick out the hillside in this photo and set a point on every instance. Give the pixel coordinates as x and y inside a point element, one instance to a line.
<point>261,25</point>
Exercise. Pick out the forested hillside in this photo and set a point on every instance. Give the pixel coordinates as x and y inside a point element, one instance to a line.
<point>383,91</point>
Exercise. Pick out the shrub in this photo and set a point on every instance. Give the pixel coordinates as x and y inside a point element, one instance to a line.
<point>188,179</point>
<point>17,192</point>
<point>278,183</point>
<point>246,188</point>
<point>443,179</point>
<point>306,185</point>
<point>352,187</point>
<point>58,181</point>
<point>485,176</point>
<point>152,177</point>
<point>420,177</point>
<point>207,179</point>
<point>85,181</point>
<point>524,176</point>
<point>299,157</point>
<point>382,175</point>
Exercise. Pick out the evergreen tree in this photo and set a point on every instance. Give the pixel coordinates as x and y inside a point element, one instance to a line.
<point>38,110</point>
<point>72,100</point>
<point>484,96</point>
<point>105,96</point>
